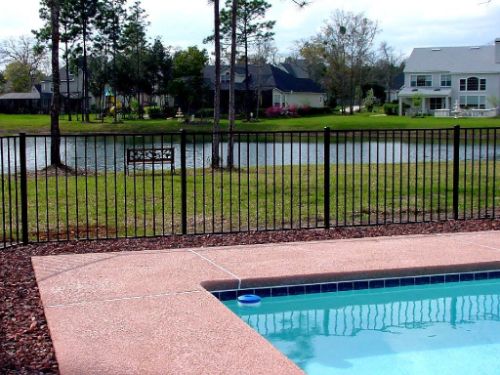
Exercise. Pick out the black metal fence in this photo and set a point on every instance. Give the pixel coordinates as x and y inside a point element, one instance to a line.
<point>141,185</point>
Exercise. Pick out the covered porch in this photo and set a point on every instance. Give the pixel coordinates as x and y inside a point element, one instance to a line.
<point>432,101</point>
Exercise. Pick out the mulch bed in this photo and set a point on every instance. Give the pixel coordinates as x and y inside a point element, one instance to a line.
<point>26,347</point>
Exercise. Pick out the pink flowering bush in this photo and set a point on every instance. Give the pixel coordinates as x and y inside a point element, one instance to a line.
<point>274,111</point>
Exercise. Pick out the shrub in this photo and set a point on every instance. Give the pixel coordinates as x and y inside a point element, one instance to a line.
<point>205,113</point>
<point>304,110</point>
<point>369,101</point>
<point>319,111</point>
<point>273,112</point>
<point>391,109</point>
<point>155,113</point>
<point>292,110</point>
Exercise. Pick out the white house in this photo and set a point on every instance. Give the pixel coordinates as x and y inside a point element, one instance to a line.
<point>277,86</point>
<point>451,80</point>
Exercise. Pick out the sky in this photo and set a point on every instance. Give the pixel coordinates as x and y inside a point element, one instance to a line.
<point>403,24</point>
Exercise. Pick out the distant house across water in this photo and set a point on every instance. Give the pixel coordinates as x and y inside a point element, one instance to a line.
<point>275,85</point>
<point>39,99</point>
<point>453,79</point>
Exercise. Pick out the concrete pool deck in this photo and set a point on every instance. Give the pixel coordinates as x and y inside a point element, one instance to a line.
<point>149,312</point>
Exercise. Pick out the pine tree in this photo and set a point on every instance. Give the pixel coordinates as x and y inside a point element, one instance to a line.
<point>135,47</point>
<point>251,29</point>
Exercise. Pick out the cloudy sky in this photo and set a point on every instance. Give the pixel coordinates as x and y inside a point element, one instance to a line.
<point>403,24</point>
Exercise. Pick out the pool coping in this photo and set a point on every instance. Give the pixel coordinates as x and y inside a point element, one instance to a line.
<point>126,312</point>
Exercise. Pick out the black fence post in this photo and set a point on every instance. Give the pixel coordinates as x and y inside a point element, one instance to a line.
<point>183,183</point>
<point>456,166</point>
<point>24,188</point>
<point>327,177</point>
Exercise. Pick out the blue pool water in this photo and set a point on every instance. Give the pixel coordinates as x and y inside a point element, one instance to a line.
<point>441,329</point>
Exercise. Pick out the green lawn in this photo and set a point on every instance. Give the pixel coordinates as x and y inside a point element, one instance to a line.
<point>248,199</point>
<point>13,124</point>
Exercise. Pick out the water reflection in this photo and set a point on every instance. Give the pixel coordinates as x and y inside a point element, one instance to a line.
<point>109,153</point>
<point>338,331</point>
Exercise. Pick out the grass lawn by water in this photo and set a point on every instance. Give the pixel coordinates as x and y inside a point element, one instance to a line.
<point>142,204</point>
<point>40,124</point>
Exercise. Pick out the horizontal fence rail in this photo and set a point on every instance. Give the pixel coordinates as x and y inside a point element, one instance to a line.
<point>144,185</point>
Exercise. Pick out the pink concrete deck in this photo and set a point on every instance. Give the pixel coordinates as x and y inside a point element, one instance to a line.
<point>149,313</point>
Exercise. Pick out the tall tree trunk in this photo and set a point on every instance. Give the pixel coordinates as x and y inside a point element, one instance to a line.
<point>139,78</point>
<point>115,47</point>
<point>68,93</point>
<point>55,133</point>
<point>232,73</point>
<point>216,127</point>
<point>247,73</point>
<point>351,91</point>
<point>86,115</point>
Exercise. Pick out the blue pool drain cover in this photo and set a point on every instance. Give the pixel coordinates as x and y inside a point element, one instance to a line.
<point>249,299</point>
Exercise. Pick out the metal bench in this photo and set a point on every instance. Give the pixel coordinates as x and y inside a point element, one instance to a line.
<point>143,156</point>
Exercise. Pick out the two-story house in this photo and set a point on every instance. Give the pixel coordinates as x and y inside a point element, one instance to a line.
<point>71,88</point>
<point>453,79</point>
<point>273,85</point>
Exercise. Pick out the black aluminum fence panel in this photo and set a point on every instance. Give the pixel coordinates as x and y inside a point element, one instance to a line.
<point>10,206</point>
<point>129,185</point>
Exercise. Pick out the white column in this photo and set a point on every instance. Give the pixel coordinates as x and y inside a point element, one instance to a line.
<point>400,106</point>
<point>423,105</point>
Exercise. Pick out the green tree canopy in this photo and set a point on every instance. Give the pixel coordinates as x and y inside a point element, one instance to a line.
<point>252,29</point>
<point>159,68</point>
<point>2,82</point>
<point>18,77</point>
<point>188,83</point>
<point>135,48</point>
<point>343,47</point>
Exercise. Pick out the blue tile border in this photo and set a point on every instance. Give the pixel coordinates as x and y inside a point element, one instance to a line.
<point>349,285</point>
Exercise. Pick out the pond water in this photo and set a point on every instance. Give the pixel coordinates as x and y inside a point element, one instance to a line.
<point>109,153</point>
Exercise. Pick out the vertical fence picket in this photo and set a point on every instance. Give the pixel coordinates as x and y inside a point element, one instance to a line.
<point>326,183</point>
<point>456,172</point>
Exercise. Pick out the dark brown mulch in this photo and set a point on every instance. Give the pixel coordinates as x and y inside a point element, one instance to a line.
<point>26,347</point>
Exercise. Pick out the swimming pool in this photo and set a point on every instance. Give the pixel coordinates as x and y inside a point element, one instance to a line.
<point>451,328</point>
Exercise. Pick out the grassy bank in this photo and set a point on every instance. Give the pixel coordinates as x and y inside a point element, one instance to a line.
<point>107,205</point>
<point>40,124</point>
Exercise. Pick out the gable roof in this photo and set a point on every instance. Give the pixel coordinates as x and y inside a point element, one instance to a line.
<point>453,59</point>
<point>34,94</point>
<point>297,68</point>
<point>287,82</point>
<point>266,77</point>
<point>63,76</point>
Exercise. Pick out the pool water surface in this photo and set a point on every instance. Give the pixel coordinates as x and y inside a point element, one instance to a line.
<point>451,328</point>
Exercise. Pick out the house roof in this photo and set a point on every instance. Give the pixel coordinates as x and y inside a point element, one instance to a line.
<point>63,76</point>
<point>34,94</point>
<point>296,68</point>
<point>266,77</point>
<point>453,59</point>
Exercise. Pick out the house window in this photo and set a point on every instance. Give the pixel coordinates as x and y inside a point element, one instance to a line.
<point>421,80</point>
<point>446,80</point>
<point>473,84</point>
<point>225,77</point>
<point>436,103</point>
<point>473,102</point>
